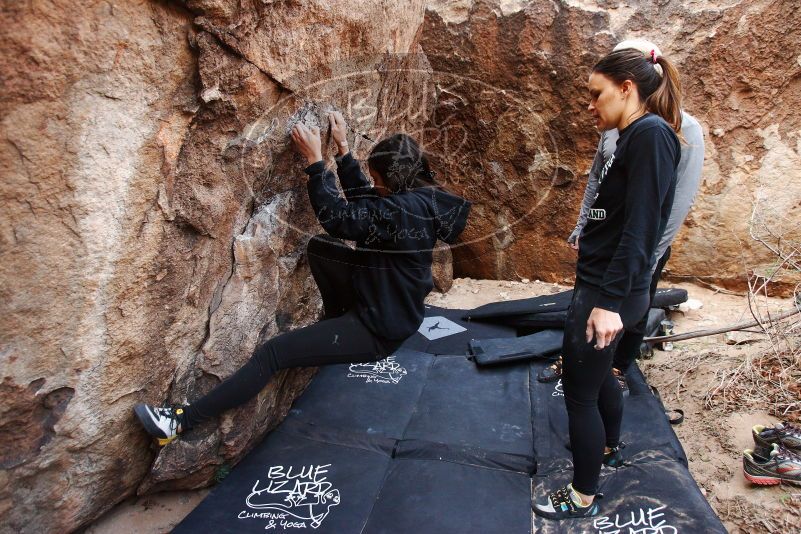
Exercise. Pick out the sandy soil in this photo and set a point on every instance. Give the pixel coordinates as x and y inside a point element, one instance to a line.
<point>713,436</point>
<point>152,514</point>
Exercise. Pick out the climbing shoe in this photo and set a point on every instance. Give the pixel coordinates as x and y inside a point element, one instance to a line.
<point>621,379</point>
<point>564,503</point>
<point>772,466</point>
<point>552,372</point>
<point>164,423</point>
<point>786,434</point>
<point>614,458</point>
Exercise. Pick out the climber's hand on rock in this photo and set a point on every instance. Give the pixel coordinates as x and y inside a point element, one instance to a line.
<point>339,131</point>
<point>307,141</point>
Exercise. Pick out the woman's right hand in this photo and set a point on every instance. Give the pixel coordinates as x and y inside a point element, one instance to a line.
<point>339,131</point>
<point>307,141</point>
<point>575,244</point>
<point>603,325</point>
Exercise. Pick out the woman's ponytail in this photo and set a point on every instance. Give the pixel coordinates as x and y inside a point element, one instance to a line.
<point>666,100</point>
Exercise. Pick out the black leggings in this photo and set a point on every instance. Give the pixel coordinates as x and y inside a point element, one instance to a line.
<point>629,346</point>
<point>592,394</point>
<point>340,337</point>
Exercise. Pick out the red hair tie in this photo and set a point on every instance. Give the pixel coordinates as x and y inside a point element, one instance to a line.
<point>653,56</point>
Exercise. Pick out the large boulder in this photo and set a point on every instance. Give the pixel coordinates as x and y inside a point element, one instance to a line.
<point>519,103</point>
<point>155,221</point>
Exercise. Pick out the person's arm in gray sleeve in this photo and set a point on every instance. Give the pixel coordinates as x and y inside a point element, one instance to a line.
<point>688,179</point>
<point>589,192</point>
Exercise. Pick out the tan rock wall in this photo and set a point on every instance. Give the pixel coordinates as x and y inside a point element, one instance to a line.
<point>154,224</point>
<point>530,141</point>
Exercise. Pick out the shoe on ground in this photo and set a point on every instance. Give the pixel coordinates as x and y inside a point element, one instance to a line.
<point>564,503</point>
<point>614,458</point>
<point>772,466</point>
<point>621,379</point>
<point>551,373</point>
<point>164,424</point>
<point>786,434</point>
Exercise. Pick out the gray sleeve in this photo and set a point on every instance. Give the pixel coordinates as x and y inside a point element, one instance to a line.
<point>688,178</point>
<point>589,192</point>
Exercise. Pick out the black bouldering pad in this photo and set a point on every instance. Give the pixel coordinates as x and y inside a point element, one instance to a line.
<point>432,443</point>
<point>651,494</point>
<point>539,304</point>
<point>445,332</point>
<point>668,296</point>
<point>645,425</point>
<point>292,483</point>
<point>483,408</point>
<point>438,497</point>
<point>376,398</point>
<point>534,322</point>
<point>505,350</point>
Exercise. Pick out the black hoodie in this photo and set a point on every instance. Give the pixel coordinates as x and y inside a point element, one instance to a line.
<point>395,237</point>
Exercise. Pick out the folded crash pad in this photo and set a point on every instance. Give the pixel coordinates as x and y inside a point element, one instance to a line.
<point>539,304</point>
<point>505,350</point>
<point>668,296</point>
<point>535,322</point>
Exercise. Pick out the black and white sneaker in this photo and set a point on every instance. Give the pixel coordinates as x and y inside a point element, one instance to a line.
<point>561,505</point>
<point>164,424</point>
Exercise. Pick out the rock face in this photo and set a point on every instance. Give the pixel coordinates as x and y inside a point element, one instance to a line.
<point>528,140</point>
<point>155,220</point>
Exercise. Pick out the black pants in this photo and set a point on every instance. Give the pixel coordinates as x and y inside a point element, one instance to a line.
<point>629,346</point>
<point>340,337</point>
<point>592,395</point>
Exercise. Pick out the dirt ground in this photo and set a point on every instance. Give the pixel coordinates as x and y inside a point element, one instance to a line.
<point>713,434</point>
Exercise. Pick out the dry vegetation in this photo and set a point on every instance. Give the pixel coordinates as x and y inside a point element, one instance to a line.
<point>770,378</point>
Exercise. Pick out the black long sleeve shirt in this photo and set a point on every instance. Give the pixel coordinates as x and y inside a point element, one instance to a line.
<point>395,236</point>
<point>631,209</point>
